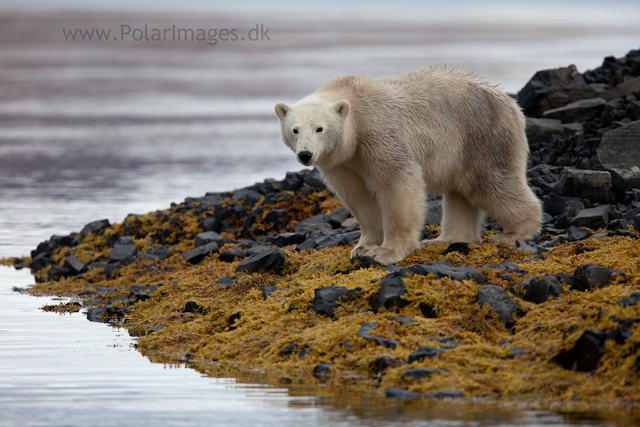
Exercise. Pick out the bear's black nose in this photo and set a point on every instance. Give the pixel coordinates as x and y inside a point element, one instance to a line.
<point>305,156</point>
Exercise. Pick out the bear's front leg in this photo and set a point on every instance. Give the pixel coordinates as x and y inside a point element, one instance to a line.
<point>403,201</point>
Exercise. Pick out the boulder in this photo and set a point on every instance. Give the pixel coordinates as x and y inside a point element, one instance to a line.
<point>230,255</point>
<point>338,216</point>
<point>97,227</point>
<point>390,294</point>
<point>73,264</point>
<point>315,223</point>
<point>287,239</point>
<point>123,253</point>
<point>322,371</point>
<point>625,179</point>
<point>555,88</point>
<point>540,290</point>
<point>586,352</point>
<point>424,352</point>
<point>578,111</point>
<point>499,301</point>
<point>620,147</point>
<point>269,260</point>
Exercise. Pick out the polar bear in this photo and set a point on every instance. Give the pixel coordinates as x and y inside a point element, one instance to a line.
<point>384,144</point>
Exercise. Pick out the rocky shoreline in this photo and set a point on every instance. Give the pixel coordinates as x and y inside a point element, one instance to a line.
<point>260,277</point>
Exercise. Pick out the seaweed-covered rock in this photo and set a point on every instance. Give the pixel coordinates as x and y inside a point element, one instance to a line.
<point>367,327</point>
<point>322,371</point>
<point>419,373</point>
<point>424,352</point>
<point>631,300</point>
<point>586,352</point>
<point>499,301</point>
<point>270,260</point>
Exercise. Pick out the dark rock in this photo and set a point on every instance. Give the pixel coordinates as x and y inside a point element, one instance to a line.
<point>541,290</point>
<point>233,321</point>
<point>539,131</point>
<point>306,349</point>
<point>292,181</point>
<point>577,111</point>
<point>159,253</point>
<point>559,205</point>
<point>270,260</point>
<point>460,247</point>
<point>364,262</point>
<point>499,301</point>
<point>631,300</point>
<point>326,299</point>
<point>366,327</point>
<point>636,364</point>
<point>390,293</point>
<point>314,180</point>
<point>424,352</point>
<point>338,216</point>
<point>250,197</point>
<point>230,255</point>
<point>590,276</point>
<point>400,393</point>
<point>123,254</point>
<point>593,218</point>
<point>73,264</point>
<point>593,185</point>
<point>577,233</point>
<point>428,310</point>
<point>589,349</point>
<point>453,394</point>
<point>403,320</point>
<point>322,371</point>
<point>191,307</point>
<point>268,290</point>
<point>195,256</point>
<point>225,281</point>
<point>40,262</point>
<point>97,227</point>
<point>625,179</point>
<point>289,350</point>
<point>277,218</point>
<point>286,239</point>
<point>56,273</point>
<point>206,238</point>
<point>382,363</point>
<point>419,373</point>
<point>315,223</point>
<point>434,212</point>
<point>554,88</point>
<point>96,314</point>
<point>445,269</point>
<point>620,148</point>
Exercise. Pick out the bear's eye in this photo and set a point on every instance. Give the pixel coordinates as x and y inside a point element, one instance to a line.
<point>295,131</point>
<point>319,130</point>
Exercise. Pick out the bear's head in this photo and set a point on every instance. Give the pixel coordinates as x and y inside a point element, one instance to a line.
<point>315,129</point>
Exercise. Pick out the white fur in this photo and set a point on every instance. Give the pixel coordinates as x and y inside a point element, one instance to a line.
<point>388,142</point>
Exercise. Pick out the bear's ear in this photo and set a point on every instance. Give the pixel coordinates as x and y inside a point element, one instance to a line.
<point>342,107</point>
<point>282,110</point>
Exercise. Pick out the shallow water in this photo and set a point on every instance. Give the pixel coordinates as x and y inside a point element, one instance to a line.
<point>100,130</point>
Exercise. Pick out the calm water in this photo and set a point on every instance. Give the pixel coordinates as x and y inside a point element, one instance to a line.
<point>102,129</point>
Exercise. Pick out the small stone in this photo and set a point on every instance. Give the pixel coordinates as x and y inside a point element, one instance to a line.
<point>590,276</point>
<point>197,255</point>
<point>225,281</point>
<point>541,290</point>
<point>73,264</point>
<point>322,371</point>
<point>364,262</point>
<point>268,290</point>
<point>631,300</point>
<point>424,352</point>
<point>315,223</point>
<point>460,247</point>
<point>390,293</point>
<point>326,299</point>
<point>445,269</point>
<point>577,233</point>
<point>289,349</point>
<point>499,301</point>
<point>338,216</point>
<point>400,393</point>
<point>270,260</point>
<point>97,227</point>
<point>231,255</point>
<point>593,218</point>
<point>122,253</point>
<point>191,307</point>
<point>287,239</point>
<point>419,373</point>
<point>206,238</point>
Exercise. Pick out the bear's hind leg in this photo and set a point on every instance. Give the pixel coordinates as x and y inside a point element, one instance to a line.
<point>461,221</point>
